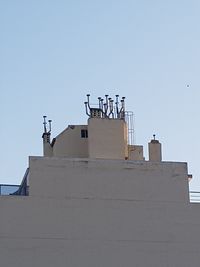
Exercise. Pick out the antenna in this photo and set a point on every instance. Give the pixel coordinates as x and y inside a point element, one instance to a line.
<point>46,135</point>
<point>122,110</point>
<point>106,105</point>
<point>105,109</point>
<point>50,121</point>
<point>111,107</point>
<point>123,103</point>
<point>117,105</point>
<point>86,103</point>
<point>99,98</point>
<point>102,104</point>
<point>45,124</point>
<point>88,100</point>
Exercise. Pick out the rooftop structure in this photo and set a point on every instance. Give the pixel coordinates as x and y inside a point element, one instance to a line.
<point>92,199</point>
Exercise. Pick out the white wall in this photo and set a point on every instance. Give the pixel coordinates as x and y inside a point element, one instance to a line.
<point>135,152</point>
<point>101,213</point>
<point>61,177</point>
<point>155,150</point>
<point>70,144</point>
<point>107,138</point>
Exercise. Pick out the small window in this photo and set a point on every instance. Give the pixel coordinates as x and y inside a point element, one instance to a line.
<point>84,133</point>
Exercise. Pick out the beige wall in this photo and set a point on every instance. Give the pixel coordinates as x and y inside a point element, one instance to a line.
<point>107,138</point>
<point>109,213</point>
<point>61,177</point>
<point>47,149</point>
<point>94,232</point>
<point>70,144</point>
<point>155,151</point>
<point>135,152</point>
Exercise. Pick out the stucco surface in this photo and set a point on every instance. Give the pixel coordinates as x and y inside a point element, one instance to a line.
<point>101,213</point>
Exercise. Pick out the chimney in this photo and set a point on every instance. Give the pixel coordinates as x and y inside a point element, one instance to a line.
<point>155,150</point>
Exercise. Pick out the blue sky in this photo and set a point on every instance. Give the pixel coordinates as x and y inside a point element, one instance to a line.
<point>52,53</point>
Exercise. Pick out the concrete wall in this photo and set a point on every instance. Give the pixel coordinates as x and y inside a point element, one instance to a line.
<point>60,177</point>
<point>155,150</point>
<point>135,152</point>
<point>101,213</point>
<point>107,138</point>
<point>70,144</point>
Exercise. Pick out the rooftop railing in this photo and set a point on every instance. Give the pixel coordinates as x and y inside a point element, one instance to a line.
<point>16,190</point>
<point>194,197</point>
<point>8,189</point>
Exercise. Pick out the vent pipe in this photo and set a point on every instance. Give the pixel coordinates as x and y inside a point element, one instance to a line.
<point>47,148</point>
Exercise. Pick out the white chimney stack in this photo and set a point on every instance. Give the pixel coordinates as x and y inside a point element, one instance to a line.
<point>155,150</point>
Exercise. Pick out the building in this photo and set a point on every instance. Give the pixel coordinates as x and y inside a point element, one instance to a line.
<point>93,200</point>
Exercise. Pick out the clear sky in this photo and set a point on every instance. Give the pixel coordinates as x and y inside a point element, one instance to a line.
<point>52,53</point>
